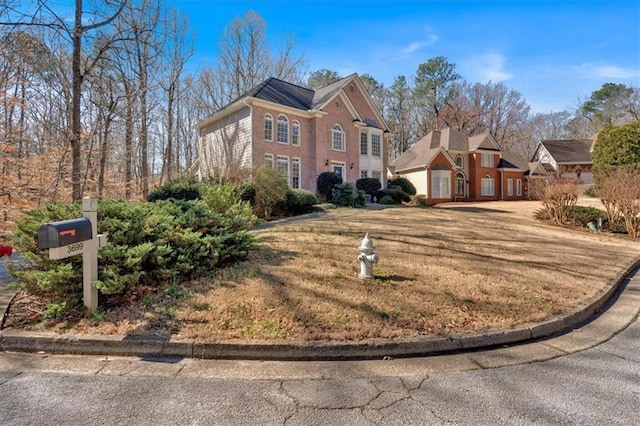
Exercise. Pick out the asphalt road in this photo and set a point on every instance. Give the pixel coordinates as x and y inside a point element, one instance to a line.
<point>597,386</point>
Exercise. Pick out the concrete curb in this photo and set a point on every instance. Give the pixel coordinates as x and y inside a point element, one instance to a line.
<point>317,351</point>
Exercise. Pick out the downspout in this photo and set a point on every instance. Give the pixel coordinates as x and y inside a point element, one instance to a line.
<point>502,184</point>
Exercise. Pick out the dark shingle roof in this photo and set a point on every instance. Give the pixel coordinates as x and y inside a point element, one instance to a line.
<point>569,150</point>
<point>283,93</point>
<point>509,160</point>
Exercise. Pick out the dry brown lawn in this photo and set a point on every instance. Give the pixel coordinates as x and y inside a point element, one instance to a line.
<point>455,269</point>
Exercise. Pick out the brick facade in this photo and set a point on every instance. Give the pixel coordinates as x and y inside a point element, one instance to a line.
<point>347,105</point>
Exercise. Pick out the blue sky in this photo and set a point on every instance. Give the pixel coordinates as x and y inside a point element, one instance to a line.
<point>554,53</point>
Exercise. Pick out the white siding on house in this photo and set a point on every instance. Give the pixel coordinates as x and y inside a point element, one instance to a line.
<point>225,147</point>
<point>419,180</point>
<point>543,156</point>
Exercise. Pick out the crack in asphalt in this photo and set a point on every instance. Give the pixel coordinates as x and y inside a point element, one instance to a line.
<point>11,378</point>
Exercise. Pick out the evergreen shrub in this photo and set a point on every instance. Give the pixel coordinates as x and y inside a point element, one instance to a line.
<point>326,183</point>
<point>404,184</point>
<point>370,186</point>
<point>148,245</point>
<point>183,188</point>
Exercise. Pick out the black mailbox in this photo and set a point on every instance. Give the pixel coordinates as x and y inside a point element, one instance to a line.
<point>63,233</point>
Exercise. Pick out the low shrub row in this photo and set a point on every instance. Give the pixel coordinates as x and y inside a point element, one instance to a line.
<point>149,244</point>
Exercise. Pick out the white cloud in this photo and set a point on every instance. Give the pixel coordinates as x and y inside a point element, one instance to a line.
<point>590,70</point>
<point>417,45</point>
<point>490,67</point>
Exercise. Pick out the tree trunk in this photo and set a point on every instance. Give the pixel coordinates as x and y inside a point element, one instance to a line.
<point>76,87</point>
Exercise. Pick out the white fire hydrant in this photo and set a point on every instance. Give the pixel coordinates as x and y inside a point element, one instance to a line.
<point>367,257</point>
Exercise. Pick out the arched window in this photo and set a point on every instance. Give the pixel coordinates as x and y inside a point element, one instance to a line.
<point>268,127</point>
<point>295,133</point>
<point>338,138</point>
<point>488,186</point>
<point>282,132</point>
<point>460,184</point>
<point>459,161</point>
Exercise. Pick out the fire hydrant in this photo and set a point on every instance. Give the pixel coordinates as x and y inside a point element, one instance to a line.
<point>367,257</point>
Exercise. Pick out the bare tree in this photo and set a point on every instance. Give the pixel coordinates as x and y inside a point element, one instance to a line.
<point>177,50</point>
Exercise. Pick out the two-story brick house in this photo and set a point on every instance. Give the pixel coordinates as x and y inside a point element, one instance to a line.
<point>299,131</point>
<point>448,165</point>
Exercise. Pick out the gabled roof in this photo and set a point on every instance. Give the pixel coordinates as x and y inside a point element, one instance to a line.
<point>509,160</point>
<point>420,154</point>
<point>450,139</point>
<point>291,95</point>
<point>569,150</point>
<point>324,94</point>
<point>283,93</point>
<point>447,140</point>
<point>483,141</point>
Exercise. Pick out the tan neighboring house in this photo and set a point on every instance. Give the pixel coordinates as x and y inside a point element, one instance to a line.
<point>299,131</point>
<point>568,158</point>
<point>448,166</point>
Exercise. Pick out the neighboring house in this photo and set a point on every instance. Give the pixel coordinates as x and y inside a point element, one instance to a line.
<point>299,131</point>
<point>566,158</point>
<point>448,165</point>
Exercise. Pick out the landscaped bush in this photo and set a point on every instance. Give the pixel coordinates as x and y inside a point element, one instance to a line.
<point>326,183</point>
<point>404,183</point>
<point>149,244</point>
<point>397,195</point>
<point>300,201</point>
<point>577,215</point>
<point>346,195</point>
<point>270,191</point>
<point>184,188</point>
<point>558,197</point>
<point>591,191</point>
<point>386,199</point>
<point>370,186</point>
<point>582,215</point>
<point>248,193</point>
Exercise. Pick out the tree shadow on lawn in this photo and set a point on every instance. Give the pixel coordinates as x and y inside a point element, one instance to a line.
<point>470,209</point>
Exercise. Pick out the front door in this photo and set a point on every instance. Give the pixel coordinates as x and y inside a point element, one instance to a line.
<point>459,185</point>
<point>339,169</point>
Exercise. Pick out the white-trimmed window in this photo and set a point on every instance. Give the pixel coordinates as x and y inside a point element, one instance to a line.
<point>364,174</point>
<point>268,160</point>
<point>459,161</point>
<point>440,186</point>
<point>282,131</point>
<point>295,133</point>
<point>510,187</point>
<point>338,138</point>
<point>283,167</point>
<point>364,144</point>
<point>376,145</point>
<point>488,186</point>
<point>295,173</point>
<point>268,127</point>
<point>487,160</point>
<point>519,187</point>
<point>376,174</point>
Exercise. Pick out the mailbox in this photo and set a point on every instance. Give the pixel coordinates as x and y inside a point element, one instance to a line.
<point>63,233</point>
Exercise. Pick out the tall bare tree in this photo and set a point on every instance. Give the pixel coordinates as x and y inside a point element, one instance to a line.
<point>177,50</point>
